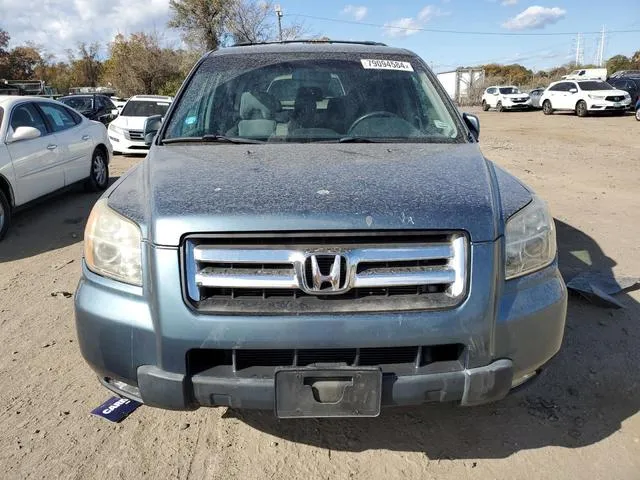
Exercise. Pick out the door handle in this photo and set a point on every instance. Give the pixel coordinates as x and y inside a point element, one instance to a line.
<point>52,147</point>
<point>86,137</point>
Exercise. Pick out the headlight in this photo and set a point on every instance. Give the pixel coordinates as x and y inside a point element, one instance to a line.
<point>530,240</point>
<point>115,129</point>
<point>626,95</point>
<point>596,97</point>
<point>112,245</point>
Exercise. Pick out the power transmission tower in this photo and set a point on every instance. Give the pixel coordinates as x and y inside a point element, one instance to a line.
<point>603,40</point>
<point>579,50</point>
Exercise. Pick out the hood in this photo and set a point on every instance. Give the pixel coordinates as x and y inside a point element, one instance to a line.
<point>515,95</point>
<point>182,189</point>
<point>130,123</point>
<point>607,93</point>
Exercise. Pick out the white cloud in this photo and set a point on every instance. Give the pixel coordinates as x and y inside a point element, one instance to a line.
<point>404,27</point>
<point>58,25</point>
<point>535,18</point>
<point>356,11</point>
<point>508,3</point>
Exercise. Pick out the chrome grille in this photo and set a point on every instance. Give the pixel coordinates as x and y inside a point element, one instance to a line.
<point>408,273</point>
<point>134,134</point>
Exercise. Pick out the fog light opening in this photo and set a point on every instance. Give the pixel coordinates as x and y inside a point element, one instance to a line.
<point>124,388</point>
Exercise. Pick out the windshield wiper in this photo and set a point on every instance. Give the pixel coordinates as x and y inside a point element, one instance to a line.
<point>211,139</point>
<point>359,140</point>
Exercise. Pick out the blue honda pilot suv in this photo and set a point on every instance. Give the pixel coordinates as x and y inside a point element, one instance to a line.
<point>320,246</point>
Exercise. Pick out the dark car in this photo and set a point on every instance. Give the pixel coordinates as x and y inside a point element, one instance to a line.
<point>93,106</point>
<point>319,257</point>
<point>631,85</point>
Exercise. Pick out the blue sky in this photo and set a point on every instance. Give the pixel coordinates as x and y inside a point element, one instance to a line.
<point>58,25</point>
<point>447,51</point>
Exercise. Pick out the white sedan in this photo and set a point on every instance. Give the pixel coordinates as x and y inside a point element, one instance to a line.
<point>46,146</point>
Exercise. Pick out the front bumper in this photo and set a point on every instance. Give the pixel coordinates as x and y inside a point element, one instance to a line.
<point>516,106</point>
<point>606,106</point>
<point>141,337</point>
<point>121,144</point>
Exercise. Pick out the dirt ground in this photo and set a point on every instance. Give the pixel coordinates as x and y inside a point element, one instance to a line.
<point>580,420</point>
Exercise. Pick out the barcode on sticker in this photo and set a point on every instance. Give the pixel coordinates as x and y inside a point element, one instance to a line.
<point>386,65</point>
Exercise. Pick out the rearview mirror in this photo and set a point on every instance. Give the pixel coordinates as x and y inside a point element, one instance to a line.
<point>473,124</point>
<point>25,133</point>
<point>151,127</point>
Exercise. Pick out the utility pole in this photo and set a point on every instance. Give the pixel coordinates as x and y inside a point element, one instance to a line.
<point>278,10</point>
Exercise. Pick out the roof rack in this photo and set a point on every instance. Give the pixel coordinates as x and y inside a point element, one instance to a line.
<point>284,42</point>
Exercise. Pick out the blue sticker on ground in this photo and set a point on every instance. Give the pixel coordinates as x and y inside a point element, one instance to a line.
<point>116,409</point>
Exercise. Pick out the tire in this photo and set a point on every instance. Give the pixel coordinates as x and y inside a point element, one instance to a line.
<point>581,109</point>
<point>499,107</point>
<point>638,114</point>
<point>99,177</point>
<point>5,214</point>
<point>547,109</point>
<point>485,106</point>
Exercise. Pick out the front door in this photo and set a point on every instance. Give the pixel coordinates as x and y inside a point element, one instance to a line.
<point>75,146</point>
<point>36,162</point>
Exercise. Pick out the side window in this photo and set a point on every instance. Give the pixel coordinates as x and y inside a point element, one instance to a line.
<point>58,116</point>
<point>556,88</point>
<point>572,86</point>
<point>99,103</point>
<point>109,104</point>
<point>76,117</point>
<point>26,115</point>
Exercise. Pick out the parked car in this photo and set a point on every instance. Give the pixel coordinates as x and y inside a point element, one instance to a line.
<point>93,106</point>
<point>631,85</point>
<point>505,98</point>
<point>584,97</point>
<point>45,146</point>
<point>125,132</point>
<point>587,74</point>
<point>321,261</point>
<point>536,95</point>
<point>625,73</point>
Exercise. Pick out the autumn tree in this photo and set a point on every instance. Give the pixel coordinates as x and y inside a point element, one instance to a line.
<point>255,22</point>
<point>85,65</point>
<point>139,64</point>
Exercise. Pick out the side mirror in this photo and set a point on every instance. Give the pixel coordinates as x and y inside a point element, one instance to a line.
<point>115,112</point>
<point>573,90</point>
<point>25,133</point>
<point>151,127</point>
<point>473,124</point>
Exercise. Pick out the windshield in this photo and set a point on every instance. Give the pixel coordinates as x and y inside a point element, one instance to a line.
<point>82,104</point>
<point>144,108</point>
<point>590,86</point>
<point>303,97</point>
<point>509,90</point>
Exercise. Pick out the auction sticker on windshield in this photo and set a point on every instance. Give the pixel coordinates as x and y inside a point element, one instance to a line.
<point>386,65</point>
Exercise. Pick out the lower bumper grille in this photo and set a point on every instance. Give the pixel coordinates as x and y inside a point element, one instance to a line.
<point>264,362</point>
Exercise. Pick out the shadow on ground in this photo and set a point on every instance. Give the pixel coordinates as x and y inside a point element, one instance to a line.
<point>49,224</point>
<point>589,389</point>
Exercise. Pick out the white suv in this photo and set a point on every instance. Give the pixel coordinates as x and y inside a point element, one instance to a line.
<point>505,98</point>
<point>126,131</point>
<point>584,97</point>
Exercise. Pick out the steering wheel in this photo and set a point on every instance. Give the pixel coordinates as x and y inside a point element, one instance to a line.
<point>367,116</point>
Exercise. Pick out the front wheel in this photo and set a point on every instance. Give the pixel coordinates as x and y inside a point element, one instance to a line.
<point>5,214</point>
<point>99,177</point>
<point>547,108</point>
<point>638,114</point>
<point>581,109</point>
<point>485,106</point>
<point>499,107</point>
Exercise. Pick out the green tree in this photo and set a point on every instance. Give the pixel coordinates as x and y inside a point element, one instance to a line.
<point>619,62</point>
<point>201,21</point>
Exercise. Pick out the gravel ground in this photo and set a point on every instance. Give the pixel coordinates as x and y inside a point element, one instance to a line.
<point>580,420</point>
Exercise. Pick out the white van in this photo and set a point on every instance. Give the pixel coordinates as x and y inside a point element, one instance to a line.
<point>587,74</point>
